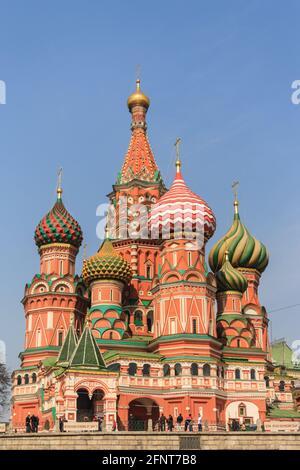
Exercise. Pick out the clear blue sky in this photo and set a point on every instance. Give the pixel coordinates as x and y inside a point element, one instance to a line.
<point>218,74</point>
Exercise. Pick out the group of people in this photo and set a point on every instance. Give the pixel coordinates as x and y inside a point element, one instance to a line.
<point>168,423</point>
<point>32,423</point>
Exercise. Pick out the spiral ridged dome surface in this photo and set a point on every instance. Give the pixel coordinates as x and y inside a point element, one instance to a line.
<point>106,264</point>
<point>229,278</point>
<point>58,226</point>
<point>244,251</point>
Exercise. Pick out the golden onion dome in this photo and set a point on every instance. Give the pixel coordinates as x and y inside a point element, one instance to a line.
<point>138,98</point>
<point>245,251</point>
<point>229,278</point>
<point>106,264</point>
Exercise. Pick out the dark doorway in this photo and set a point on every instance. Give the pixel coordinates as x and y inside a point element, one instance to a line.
<point>140,410</point>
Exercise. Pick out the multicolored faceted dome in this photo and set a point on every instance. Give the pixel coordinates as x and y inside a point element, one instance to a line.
<point>229,278</point>
<point>179,211</point>
<point>106,264</point>
<point>244,251</point>
<point>58,226</point>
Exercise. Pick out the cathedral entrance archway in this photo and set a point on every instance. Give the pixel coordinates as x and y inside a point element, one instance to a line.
<point>89,406</point>
<point>141,410</point>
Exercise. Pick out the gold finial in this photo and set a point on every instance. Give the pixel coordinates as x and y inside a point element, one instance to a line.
<point>226,255</point>
<point>138,98</point>
<point>138,77</point>
<point>235,186</point>
<point>59,187</point>
<point>178,161</point>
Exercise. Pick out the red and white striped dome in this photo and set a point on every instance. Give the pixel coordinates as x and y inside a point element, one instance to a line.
<point>181,211</point>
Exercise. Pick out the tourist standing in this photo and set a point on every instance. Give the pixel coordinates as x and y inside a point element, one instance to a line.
<point>28,423</point>
<point>162,422</point>
<point>187,422</point>
<point>199,423</point>
<point>170,423</point>
<point>191,424</point>
<point>114,425</point>
<point>33,423</point>
<point>99,423</point>
<point>62,420</point>
<point>179,422</point>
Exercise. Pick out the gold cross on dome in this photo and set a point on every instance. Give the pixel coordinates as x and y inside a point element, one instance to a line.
<point>235,186</point>
<point>59,180</point>
<point>177,146</point>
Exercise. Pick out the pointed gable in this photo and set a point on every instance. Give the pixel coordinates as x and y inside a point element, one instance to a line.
<point>87,353</point>
<point>68,346</point>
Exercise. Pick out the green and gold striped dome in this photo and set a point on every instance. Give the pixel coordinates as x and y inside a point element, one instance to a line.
<point>106,264</point>
<point>229,278</point>
<point>244,251</point>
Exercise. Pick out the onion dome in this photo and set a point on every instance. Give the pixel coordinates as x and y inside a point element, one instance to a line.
<point>244,251</point>
<point>58,226</point>
<point>229,278</point>
<point>138,98</point>
<point>106,264</point>
<point>181,211</point>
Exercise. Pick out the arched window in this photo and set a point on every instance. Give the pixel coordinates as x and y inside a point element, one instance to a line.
<point>237,374</point>
<point>33,378</point>
<point>253,374</point>
<point>132,368</point>
<point>178,369</point>
<point>166,370</point>
<point>138,318</point>
<point>148,271</point>
<point>114,367</point>
<point>281,385</point>
<point>206,370</point>
<point>111,335</point>
<point>146,370</point>
<point>150,321</point>
<point>194,369</point>
<point>222,373</point>
<point>26,379</point>
<point>267,380</point>
<point>19,380</point>
<point>194,326</point>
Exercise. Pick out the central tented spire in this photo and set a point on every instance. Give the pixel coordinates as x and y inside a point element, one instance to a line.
<point>139,163</point>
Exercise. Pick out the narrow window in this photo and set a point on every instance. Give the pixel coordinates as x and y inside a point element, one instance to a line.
<point>60,338</point>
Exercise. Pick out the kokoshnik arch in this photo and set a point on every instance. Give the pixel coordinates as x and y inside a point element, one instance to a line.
<point>146,328</point>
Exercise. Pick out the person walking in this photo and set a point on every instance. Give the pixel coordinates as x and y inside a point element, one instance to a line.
<point>28,423</point>
<point>170,423</point>
<point>162,422</point>
<point>199,423</point>
<point>179,421</point>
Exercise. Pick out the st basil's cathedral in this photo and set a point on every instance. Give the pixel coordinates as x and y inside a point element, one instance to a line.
<point>146,328</point>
